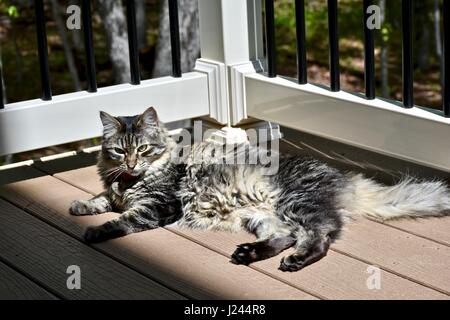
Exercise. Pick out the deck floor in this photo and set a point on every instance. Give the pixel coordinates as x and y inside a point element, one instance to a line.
<point>39,240</point>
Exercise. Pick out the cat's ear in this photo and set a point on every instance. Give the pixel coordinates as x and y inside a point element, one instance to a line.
<point>148,119</point>
<point>111,125</point>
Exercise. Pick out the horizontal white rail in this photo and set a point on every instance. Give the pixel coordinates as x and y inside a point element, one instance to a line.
<point>411,134</point>
<point>70,117</point>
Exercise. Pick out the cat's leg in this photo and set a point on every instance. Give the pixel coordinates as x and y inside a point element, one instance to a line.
<point>312,245</point>
<point>134,220</point>
<point>96,205</point>
<point>273,238</point>
<point>247,253</point>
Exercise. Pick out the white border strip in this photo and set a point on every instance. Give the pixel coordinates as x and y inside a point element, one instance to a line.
<point>69,154</point>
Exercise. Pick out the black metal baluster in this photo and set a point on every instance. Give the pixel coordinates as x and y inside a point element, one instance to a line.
<point>407,54</point>
<point>175,38</point>
<point>446,55</point>
<point>270,39</point>
<point>132,42</point>
<point>334,45</point>
<point>42,50</point>
<point>88,46</point>
<point>369,58</point>
<point>301,41</point>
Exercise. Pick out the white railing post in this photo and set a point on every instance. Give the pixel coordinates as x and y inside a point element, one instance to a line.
<point>225,57</point>
<point>255,33</point>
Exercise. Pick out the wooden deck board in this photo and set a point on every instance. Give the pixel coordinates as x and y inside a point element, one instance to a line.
<point>334,277</point>
<point>175,261</point>
<point>44,253</point>
<point>430,269</point>
<point>15,286</point>
<point>436,229</point>
<point>401,252</point>
<point>418,255</point>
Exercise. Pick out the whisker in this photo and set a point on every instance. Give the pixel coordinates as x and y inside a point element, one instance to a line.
<point>118,175</point>
<point>115,170</point>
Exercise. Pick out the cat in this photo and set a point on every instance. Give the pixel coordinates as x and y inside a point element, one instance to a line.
<point>140,180</point>
<point>304,205</point>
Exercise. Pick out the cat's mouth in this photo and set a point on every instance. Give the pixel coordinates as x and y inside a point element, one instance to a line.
<point>129,176</point>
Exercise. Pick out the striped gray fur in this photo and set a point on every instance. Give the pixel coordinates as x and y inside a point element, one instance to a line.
<point>305,204</point>
<point>139,178</point>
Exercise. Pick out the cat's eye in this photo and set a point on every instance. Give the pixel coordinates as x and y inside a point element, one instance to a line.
<point>143,148</point>
<point>119,151</point>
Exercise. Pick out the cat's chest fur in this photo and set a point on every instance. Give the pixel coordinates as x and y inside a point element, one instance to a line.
<point>124,197</point>
<point>153,188</point>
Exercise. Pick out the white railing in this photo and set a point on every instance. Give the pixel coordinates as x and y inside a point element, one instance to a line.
<point>70,117</point>
<point>226,87</point>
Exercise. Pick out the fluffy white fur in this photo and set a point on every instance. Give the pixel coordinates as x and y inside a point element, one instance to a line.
<point>408,198</point>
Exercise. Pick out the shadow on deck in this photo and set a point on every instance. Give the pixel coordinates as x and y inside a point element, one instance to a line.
<point>39,240</point>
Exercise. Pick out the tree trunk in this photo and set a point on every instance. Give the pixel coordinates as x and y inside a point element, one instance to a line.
<point>189,38</point>
<point>67,50</point>
<point>8,158</point>
<point>140,23</point>
<point>115,25</point>
<point>19,58</point>
<point>423,34</point>
<point>77,34</point>
<point>2,80</point>
<point>384,55</point>
<point>437,37</point>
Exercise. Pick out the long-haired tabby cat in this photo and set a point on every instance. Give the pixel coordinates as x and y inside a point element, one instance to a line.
<point>303,205</point>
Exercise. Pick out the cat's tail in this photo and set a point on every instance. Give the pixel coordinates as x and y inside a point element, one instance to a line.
<point>408,198</point>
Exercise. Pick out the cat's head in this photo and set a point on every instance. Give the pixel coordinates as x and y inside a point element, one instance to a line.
<point>132,145</point>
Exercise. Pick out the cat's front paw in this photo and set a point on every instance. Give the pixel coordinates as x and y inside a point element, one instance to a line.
<point>244,254</point>
<point>93,235</point>
<point>81,208</point>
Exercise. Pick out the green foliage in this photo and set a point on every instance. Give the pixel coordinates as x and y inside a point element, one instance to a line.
<point>386,30</point>
<point>12,11</point>
<point>315,20</point>
<point>9,9</point>
<point>316,23</point>
<point>316,32</point>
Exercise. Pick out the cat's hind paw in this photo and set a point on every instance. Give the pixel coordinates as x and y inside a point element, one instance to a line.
<point>292,263</point>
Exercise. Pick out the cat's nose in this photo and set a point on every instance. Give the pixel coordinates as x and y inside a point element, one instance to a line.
<point>131,166</point>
